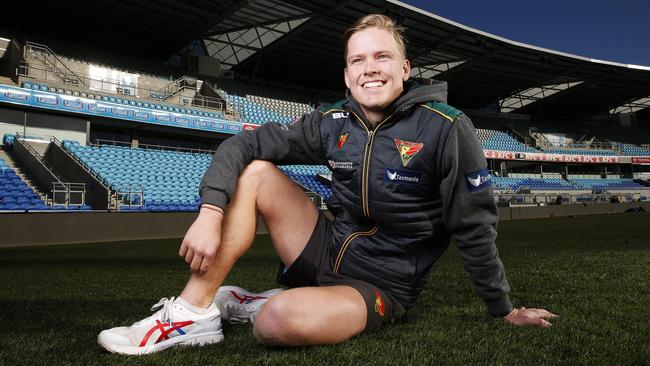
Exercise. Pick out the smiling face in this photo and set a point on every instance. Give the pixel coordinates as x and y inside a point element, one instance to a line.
<point>375,71</point>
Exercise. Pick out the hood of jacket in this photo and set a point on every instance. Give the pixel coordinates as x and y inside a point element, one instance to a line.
<point>416,91</point>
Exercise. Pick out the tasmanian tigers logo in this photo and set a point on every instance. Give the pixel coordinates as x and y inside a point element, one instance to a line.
<point>407,150</point>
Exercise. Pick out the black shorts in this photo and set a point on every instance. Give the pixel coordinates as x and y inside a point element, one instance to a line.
<point>312,268</point>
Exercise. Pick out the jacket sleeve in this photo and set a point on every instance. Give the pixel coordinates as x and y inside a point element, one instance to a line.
<point>298,143</point>
<point>470,214</point>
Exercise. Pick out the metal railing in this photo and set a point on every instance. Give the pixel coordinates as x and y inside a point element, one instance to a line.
<point>48,57</point>
<point>84,167</point>
<point>92,86</point>
<point>22,138</point>
<point>181,84</point>
<point>68,194</point>
<point>593,145</point>
<point>131,195</point>
<point>99,142</point>
<point>62,193</point>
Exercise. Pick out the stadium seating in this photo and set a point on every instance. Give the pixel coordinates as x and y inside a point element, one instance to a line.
<point>595,152</point>
<point>535,184</point>
<point>633,150</point>
<point>259,110</point>
<point>122,100</point>
<point>305,175</point>
<point>169,180</point>
<point>16,195</point>
<point>498,140</point>
<point>608,184</point>
<point>559,184</point>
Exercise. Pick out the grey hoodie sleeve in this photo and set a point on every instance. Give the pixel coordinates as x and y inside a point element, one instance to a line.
<point>470,214</point>
<point>298,143</point>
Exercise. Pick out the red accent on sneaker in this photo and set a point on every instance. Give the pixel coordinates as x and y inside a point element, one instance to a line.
<point>164,332</point>
<point>246,299</point>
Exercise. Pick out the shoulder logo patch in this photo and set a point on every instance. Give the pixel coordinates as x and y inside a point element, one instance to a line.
<point>478,180</point>
<point>407,150</point>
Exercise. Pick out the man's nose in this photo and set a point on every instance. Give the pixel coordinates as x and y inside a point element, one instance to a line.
<point>370,67</point>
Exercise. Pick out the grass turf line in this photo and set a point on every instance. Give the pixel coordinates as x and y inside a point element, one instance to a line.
<point>592,270</point>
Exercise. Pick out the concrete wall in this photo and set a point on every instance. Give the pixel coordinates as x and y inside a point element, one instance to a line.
<point>82,69</point>
<point>47,228</point>
<point>42,124</point>
<point>43,177</point>
<point>72,172</point>
<point>93,227</point>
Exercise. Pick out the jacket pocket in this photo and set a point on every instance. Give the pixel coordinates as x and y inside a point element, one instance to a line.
<point>346,244</point>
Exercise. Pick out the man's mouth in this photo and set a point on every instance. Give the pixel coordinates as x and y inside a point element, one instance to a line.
<point>373,84</point>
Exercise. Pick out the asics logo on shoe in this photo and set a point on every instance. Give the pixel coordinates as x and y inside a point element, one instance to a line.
<point>246,299</point>
<point>164,332</point>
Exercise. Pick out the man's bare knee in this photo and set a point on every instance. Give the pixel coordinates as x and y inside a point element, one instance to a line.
<point>276,324</point>
<point>256,171</point>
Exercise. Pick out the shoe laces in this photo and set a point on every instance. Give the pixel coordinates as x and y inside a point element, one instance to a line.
<point>165,311</point>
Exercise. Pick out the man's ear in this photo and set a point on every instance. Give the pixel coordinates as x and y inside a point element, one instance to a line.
<point>346,77</point>
<point>407,69</point>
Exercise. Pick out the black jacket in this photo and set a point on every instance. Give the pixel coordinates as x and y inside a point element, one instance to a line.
<point>399,191</point>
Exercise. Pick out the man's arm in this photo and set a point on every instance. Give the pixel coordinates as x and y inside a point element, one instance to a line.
<point>470,214</point>
<point>298,143</point>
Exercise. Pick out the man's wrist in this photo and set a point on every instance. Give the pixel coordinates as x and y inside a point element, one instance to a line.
<point>206,207</point>
<point>499,307</point>
<point>514,310</point>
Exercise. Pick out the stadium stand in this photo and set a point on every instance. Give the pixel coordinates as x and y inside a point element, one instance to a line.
<point>17,195</point>
<point>44,70</point>
<point>633,150</point>
<point>151,180</point>
<point>251,112</point>
<point>536,184</point>
<point>259,110</point>
<point>559,184</point>
<point>608,184</point>
<point>595,152</point>
<point>112,98</point>
<point>499,140</point>
<point>305,175</point>
<point>158,180</point>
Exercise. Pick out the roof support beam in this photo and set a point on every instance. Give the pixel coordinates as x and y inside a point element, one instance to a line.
<point>260,25</point>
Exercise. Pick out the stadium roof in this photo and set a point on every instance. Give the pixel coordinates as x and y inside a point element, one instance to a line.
<point>298,41</point>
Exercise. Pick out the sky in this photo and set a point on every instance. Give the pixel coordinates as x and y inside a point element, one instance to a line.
<point>607,30</point>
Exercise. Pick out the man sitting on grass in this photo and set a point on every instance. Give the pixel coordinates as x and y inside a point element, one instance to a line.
<point>408,174</point>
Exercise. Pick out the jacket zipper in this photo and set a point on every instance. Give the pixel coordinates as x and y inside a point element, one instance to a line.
<point>366,163</point>
<point>346,244</point>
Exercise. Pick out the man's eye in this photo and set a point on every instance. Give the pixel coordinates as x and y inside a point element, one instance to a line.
<point>355,61</point>
<point>383,57</point>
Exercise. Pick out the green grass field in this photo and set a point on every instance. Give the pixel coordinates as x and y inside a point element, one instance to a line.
<point>594,271</point>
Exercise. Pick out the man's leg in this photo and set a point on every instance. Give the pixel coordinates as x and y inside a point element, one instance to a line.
<point>301,316</point>
<point>311,316</point>
<point>261,188</point>
<point>289,215</point>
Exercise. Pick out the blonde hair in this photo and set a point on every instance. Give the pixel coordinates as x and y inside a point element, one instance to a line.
<point>379,21</point>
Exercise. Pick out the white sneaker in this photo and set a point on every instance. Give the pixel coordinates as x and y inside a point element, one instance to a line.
<point>174,324</point>
<point>240,306</point>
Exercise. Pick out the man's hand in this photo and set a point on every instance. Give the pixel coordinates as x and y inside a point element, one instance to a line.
<point>537,317</point>
<point>202,239</point>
